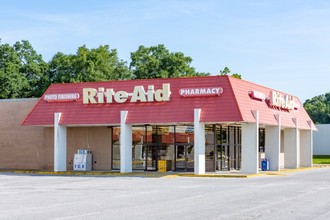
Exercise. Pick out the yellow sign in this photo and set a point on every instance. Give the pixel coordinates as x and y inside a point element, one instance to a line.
<point>162,166</point>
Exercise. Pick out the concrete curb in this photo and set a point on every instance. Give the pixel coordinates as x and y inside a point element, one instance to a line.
<point>114,174</point>
<point>215,175</point>
<point>162,175</point>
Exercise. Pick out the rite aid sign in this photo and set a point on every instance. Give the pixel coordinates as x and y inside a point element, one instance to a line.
<point>139,94</point>
<point>282,101</point>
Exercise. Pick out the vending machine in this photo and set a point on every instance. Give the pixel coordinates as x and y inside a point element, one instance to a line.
<point>82,160</point>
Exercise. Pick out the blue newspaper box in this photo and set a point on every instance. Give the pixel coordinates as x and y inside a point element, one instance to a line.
<point>264,164</point>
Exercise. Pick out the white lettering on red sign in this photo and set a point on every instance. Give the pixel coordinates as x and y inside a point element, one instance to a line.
<point>93,96</point>
<point>282,101</point>
<point>257,95</point>
<point>64,97</point>
<point>210,91</point>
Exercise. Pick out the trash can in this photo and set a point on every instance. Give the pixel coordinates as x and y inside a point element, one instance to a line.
<point>162,166</point>
<point>265,164</point>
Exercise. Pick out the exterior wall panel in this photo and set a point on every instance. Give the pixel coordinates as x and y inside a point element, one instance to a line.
<point>23,147</point>
<point>32,147</point>
<point>95,139</point>
<point>321,140</point>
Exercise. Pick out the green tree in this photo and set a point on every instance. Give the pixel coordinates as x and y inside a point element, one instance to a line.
<point>22,71</point>
<point>159,62</point>
<point>88,65</point>
<point>61,68</point>
<point>236,75</point>
<point>12,81</point>
<point>33,67</point>
<point>318,108</point>
<point>226,72</point>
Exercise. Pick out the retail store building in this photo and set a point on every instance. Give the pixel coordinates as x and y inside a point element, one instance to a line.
<point>196,124</point>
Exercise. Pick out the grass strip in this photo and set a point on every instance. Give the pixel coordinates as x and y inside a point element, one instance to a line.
<point>321,159</point>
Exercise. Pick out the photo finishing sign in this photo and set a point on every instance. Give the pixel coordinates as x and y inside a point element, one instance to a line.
<point>62,97</point>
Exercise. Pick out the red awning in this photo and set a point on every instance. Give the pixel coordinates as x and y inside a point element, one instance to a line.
<point>223,99</point>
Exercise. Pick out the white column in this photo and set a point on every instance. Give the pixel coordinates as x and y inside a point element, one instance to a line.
<point>250,145</point>
<point>273,145</point>
<point>199,143</point>
<point>306,147</point>
<point>59,144</point>
<point>291,147</point>
<point>125,144</point>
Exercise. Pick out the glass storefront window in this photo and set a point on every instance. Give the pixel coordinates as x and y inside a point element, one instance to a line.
<point>175,145</point>
<point>115,148</point>
<point>150,144</point>
<point>210,136</point>
<point>262,137</point>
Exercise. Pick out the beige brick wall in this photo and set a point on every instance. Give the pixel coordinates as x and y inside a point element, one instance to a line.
<point>22,147</point>
<point>96,139</point>
<point>32,147</point>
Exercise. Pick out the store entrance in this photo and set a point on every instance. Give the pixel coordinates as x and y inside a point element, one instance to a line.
<point>156,145</point>
<point>151,144</point>
<point>184,157</point>
<point>151,157</point>
<point>229,152</point>
<point>223,148</point>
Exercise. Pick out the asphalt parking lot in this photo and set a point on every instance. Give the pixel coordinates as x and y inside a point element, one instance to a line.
<point>294,195</point>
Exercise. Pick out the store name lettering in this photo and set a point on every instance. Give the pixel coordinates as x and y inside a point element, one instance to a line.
<point>212,91</point>
<point>282,101</point>
<point>102,95</point>
<point>65,97</point>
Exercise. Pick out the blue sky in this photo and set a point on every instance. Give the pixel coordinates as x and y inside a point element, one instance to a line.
<point>283,45</point>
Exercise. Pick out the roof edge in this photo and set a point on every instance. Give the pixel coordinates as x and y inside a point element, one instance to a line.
<point>229,78</point>
<point>23,123</point>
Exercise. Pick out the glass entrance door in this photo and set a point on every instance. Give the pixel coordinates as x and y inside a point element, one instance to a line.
<point>222,148</point>
<point>229,149</point>
<point>151,143</point>
<point>151,157</point>
<point>184,157</point>
<point>223,157</point>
